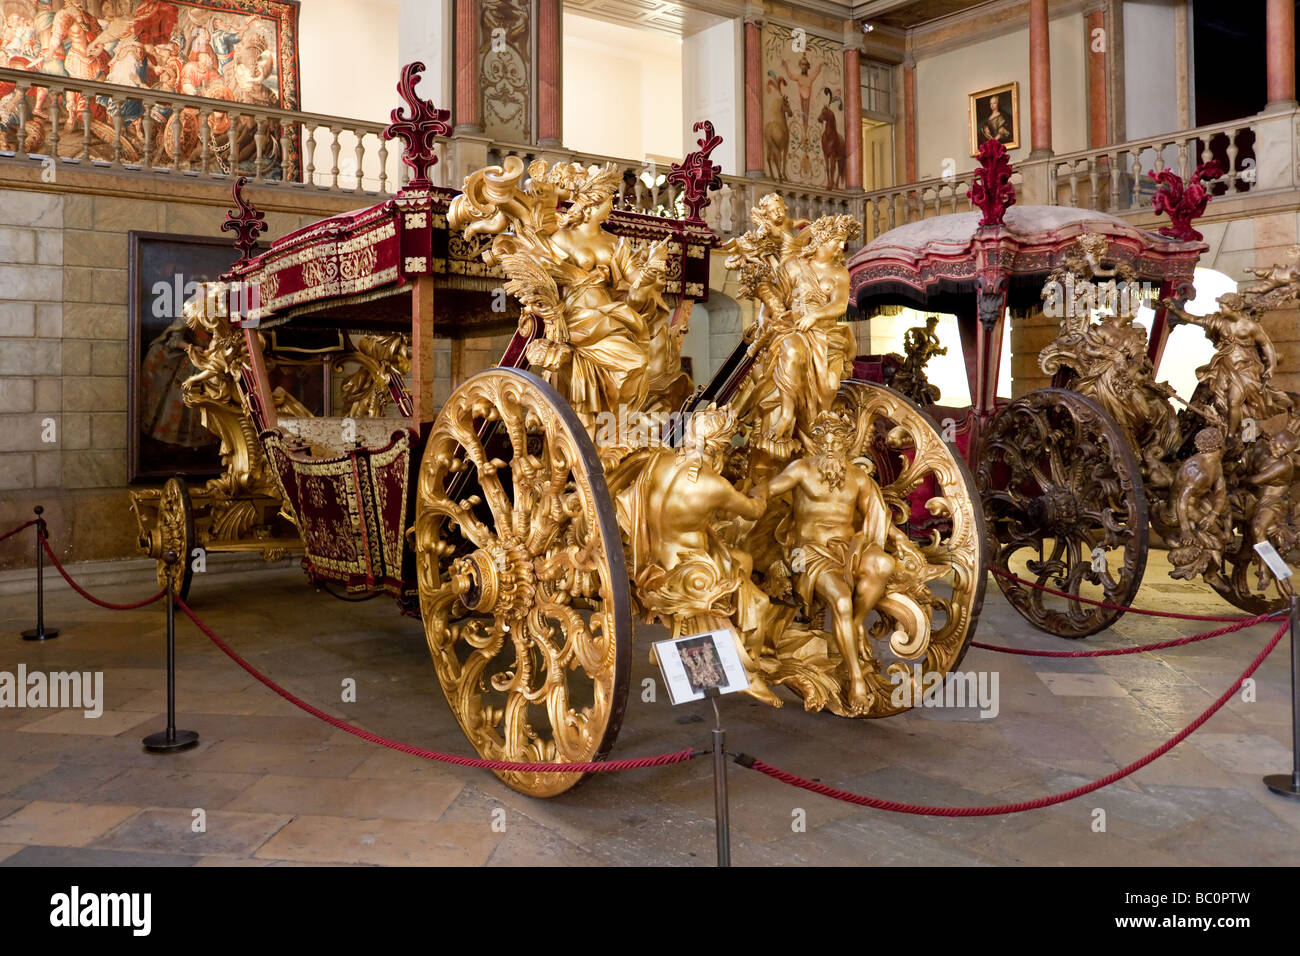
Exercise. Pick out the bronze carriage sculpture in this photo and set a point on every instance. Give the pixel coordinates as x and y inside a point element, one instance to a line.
<point>1074,478</point>
<point>584,481</point>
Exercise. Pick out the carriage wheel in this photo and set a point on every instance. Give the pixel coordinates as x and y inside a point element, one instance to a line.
<point>175,533</point>
<point>1238,581</point>
<point>523,587</point>
<point>1058,481</point>
<point>908,451</point>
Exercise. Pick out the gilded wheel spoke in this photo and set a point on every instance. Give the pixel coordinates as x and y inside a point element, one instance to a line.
<point>1091,497</point>
<point>534,684</point>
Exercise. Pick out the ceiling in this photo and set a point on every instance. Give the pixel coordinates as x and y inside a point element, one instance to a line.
<point>661,15</point>
<point>683,19</point>
<point>904,14</point>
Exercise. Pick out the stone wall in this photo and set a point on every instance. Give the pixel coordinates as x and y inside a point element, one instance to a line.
<point>63,337</point>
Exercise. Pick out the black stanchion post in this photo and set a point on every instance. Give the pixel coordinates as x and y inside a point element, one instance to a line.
<point>1288,784</point>
<point>171,739</point>
<point>720,782</point>
<point>40,632</point>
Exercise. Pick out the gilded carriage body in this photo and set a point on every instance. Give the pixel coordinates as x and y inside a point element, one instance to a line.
<point>585,481</point>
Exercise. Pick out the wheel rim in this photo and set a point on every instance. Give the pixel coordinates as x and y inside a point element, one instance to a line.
<point>523,587</point>
<point>176,534</point>
<point>1238,583</point>
<point>1058,480</point>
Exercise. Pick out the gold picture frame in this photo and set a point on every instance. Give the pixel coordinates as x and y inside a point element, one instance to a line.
<point>1008,94</point>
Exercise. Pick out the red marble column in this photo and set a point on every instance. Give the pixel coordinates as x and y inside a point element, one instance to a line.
<point>1280,32</point>
<point>550,82</point>
<point>1040,80</point>
<point>1097,107</point>
<point>909,119</point>
<point>753,101</point>
<point>852,119</point>
<point>468,118</point>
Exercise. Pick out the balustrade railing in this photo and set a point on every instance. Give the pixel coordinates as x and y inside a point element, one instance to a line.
<point>91,124</point>
<point>1117,179</point>
<point>99,125</point>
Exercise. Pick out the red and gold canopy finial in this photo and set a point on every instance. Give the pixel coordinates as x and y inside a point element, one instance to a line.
<point>245,220</point>
<point>697,174</point>
<point>419,130</point>
<point>992,192</point>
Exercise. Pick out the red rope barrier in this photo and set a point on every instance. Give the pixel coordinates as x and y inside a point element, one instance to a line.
<point>895,807</point>
<point>49,552</point>
<point>1114,607</point>
<point>603,766</point>
<point>22,527</point>
<point>1137,648</point>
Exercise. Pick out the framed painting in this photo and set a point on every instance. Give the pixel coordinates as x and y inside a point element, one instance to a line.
<point>242,51</point>
<point>165,437</point>
<point>995,114</point>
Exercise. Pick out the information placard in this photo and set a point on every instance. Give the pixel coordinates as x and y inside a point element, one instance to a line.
<point>695,665</point>
<point>1274,560</point>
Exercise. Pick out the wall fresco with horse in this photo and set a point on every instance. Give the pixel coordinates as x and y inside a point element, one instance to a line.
<point>803,108</point>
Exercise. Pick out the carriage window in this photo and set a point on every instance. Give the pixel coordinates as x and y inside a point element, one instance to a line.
<point>1188,348</point>
<point>947,372</point>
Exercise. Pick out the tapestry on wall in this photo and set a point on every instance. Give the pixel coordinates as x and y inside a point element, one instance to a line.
<point>504,43</point>
<point>803,108</point>
<point>242,51</point>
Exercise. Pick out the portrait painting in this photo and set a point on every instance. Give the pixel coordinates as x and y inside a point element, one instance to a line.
<point>166,437</point>
<point>995,114</point>
<point>240,51</point>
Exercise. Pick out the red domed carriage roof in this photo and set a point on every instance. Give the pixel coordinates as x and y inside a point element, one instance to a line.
<point>932,262</point>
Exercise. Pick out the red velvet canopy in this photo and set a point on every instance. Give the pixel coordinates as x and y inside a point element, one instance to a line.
<point>952,264</point>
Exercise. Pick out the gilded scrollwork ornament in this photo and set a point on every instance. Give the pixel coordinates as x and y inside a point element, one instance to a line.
<point>382,361</point>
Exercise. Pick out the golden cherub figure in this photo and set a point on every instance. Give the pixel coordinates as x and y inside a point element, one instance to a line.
<point>1200,500</point>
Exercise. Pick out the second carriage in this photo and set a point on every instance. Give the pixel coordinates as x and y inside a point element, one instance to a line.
<point>1076,479</point>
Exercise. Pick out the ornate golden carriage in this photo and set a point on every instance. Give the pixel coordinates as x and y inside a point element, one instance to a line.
<point>584,482</point>
<point>1074,478</point>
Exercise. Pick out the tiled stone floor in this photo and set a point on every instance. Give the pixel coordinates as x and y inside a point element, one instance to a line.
<point>279,787</point>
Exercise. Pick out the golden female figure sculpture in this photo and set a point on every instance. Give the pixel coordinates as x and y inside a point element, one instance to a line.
<point>802,350</point>
<point>1244,359</point>
<point>593,296</point>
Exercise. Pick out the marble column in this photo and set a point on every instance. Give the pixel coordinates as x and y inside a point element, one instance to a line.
<point>1040,81</point>
<point>467,116</point>
<point>1097,46</point>
<point>909,119</point>
<point>753,100</point>
<point>1280,55</point>
<point>852,116</point>
<point>550,120</point>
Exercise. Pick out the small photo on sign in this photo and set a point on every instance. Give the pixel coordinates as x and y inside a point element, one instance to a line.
<point>695,665</point>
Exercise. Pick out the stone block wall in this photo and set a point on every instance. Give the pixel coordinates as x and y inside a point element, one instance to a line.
<point>63,338</point>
